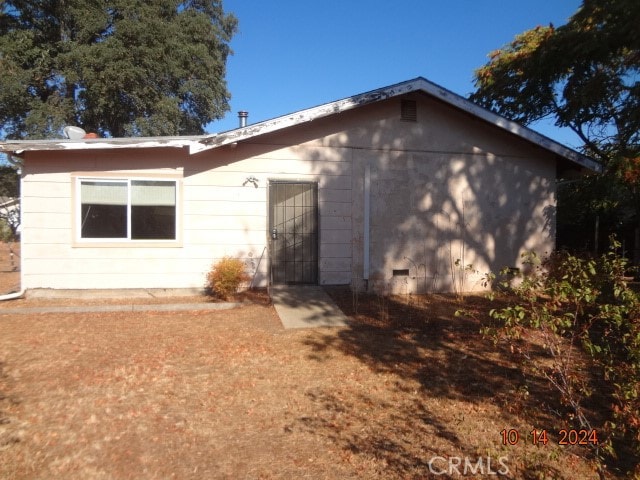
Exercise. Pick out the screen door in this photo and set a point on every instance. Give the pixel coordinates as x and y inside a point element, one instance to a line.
<point>293,232</point>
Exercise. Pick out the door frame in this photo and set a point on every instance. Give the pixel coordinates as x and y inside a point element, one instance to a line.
<point>315,184</point>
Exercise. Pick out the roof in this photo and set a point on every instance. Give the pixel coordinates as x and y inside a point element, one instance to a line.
<point>199,143</point>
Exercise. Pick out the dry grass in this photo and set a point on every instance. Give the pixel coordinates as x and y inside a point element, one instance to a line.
<point>230,394</point>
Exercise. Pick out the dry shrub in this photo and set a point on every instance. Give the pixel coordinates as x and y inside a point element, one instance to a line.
<point>226,276</point>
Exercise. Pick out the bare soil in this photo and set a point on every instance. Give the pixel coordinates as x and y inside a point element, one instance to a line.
<point>406,391</point>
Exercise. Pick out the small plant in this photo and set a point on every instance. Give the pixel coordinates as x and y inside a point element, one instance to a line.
<point>459,274</point>
<point>383,302</point>
<point>226,276</point>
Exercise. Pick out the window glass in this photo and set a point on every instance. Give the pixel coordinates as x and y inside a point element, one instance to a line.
<point>103,209</point>
<point>153,210</point>
<point>135,209</point>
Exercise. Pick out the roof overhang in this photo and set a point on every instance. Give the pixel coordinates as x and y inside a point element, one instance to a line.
<point>18,147</point>
<point>196,144</point>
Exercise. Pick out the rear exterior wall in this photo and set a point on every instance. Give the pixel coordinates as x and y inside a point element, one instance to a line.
<point>442,188</point>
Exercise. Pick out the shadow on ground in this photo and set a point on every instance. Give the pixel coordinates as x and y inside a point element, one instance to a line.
<point>451,374</point>
<point>396,334</point>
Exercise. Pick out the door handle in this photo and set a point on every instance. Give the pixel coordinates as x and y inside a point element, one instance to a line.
<point>274,233</point>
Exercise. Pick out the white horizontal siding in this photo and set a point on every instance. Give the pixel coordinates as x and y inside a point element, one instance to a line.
<point>335,223</point>
<point>113,280</point>
<point>45,235</point>
<point>335,278</point>
<point>327,194</point>
<point>335,236</point>
<point>52,189</point>
<point>227,238</point>
<point>45,205</point>
<point>49,177</point>
<point>221,214</point>
<point>336,264</point>
<point>335,250</point>
<point>221,223</point>
<point>226,208</point>
<point>274,164</point>
<point>206,253</point>
<point>159,265</point>
<point>209,193</point>
<point>46,220</point>
<point>335,209</point>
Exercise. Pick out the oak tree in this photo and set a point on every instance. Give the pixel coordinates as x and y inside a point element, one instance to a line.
<point>115,67</point>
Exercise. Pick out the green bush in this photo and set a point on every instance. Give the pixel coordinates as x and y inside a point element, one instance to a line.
<point>226,276</point>
<point>584,304</point>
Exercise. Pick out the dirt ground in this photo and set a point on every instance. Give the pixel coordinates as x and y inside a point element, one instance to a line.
<point>408,391</point>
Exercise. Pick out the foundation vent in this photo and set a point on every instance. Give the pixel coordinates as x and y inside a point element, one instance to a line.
<point>401,273</point>
<point>409,111</point>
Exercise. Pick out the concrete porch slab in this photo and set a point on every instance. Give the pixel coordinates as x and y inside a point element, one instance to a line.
<point>306,306</point>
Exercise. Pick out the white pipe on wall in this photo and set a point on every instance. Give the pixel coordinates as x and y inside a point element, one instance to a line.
<point>12,296</point>
<point>367,210</point>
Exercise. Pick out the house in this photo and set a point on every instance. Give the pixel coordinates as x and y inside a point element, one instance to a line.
<point>409,188</point>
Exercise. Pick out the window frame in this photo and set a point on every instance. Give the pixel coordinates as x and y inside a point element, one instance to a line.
<point>79,241</point>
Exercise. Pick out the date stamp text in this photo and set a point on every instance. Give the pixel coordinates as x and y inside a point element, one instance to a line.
<point>563,436</point>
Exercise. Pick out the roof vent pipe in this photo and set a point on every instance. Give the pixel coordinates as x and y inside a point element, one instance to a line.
<point>242,117</point>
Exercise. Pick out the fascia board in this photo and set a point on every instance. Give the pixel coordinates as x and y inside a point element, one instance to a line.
<point>415,85</point>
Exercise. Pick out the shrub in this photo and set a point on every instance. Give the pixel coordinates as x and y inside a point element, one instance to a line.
<point>226,276</point>
<point>583,304</point>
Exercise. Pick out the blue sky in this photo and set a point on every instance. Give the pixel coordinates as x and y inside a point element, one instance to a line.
<point>294,54</point>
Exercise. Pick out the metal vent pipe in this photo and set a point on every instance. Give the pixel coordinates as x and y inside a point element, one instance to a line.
<point>242,117</point>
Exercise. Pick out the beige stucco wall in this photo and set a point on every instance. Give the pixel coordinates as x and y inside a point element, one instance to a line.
<point>462,192</point>
<point>442,188</point>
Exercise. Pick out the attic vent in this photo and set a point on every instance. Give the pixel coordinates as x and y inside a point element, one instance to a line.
<point>409,111</point>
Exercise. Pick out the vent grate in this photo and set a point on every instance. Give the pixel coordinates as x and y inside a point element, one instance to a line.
<point>404,272</point>
<point>409,110</point>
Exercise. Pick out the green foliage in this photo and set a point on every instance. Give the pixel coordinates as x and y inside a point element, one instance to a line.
<point>118,67</point>
<point>9,213</point>
<point>586,76</point>
<point>576,306</point>
<point>226,276</point>
<point>591,197</point>
<point>9,182</point>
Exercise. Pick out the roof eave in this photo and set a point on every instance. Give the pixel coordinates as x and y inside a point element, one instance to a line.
<point>18,147</point>
<point>307,115</point>
<point>196,144</point>
<point>509,125</point>
<point>417,84</point>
